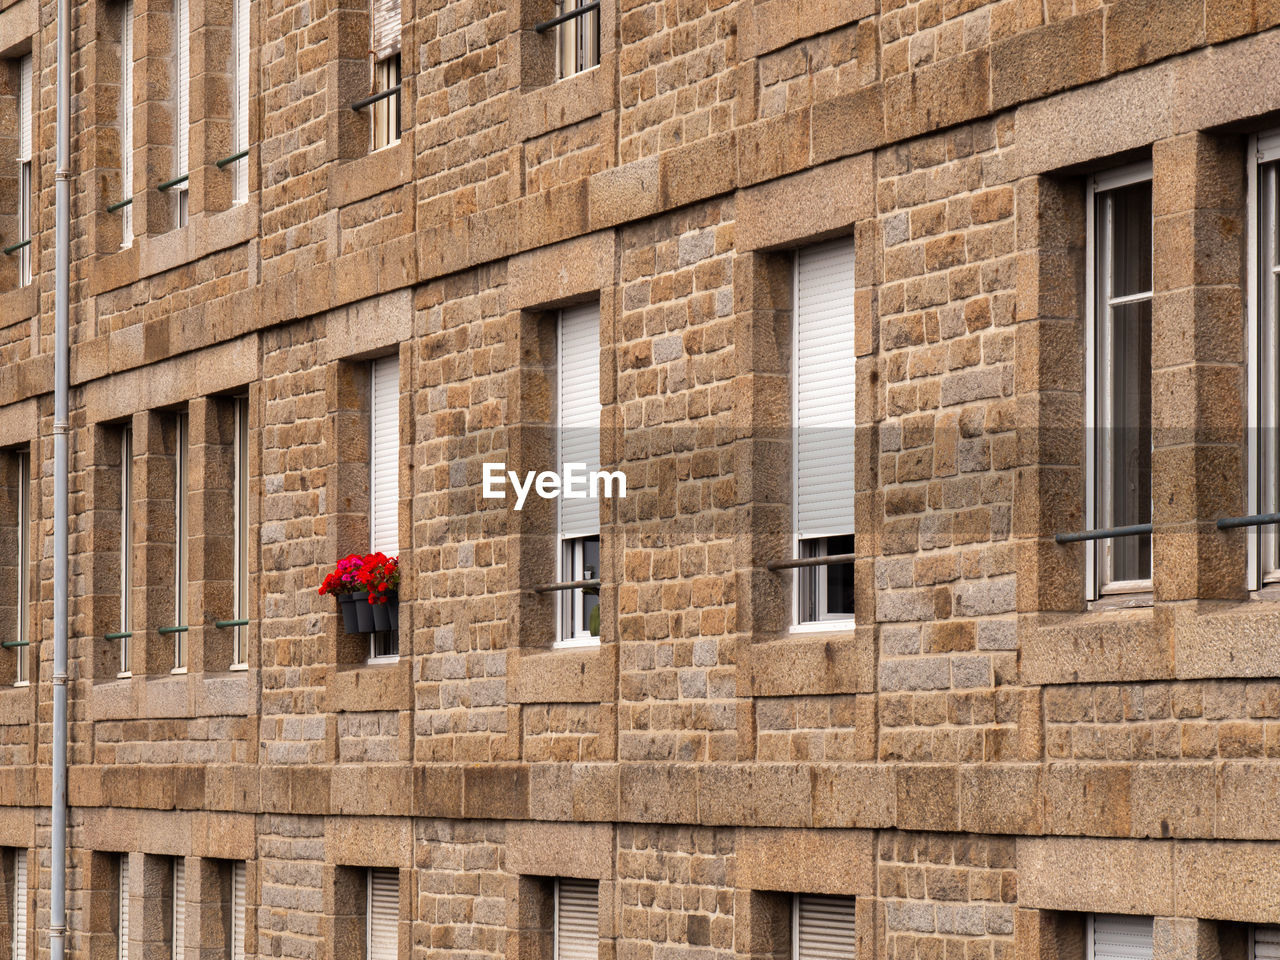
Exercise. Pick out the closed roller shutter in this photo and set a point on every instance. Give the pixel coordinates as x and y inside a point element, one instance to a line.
<point>126,121</point>
<point>824,928</point>
<point>237,911</point>
<point>20,905</point>
<point>384,914</point>
<point>386,28</point>
<point>1266,943</point>
<point>824,358</point>
<point>578,406</point>
<point>1117,937</point>
<point>240,131</point>
<point>182,32</point>
<point>24,108</point>
<point>577,920</point>
<point>123,938</point>
<point>384,457</point>
<point>179,908</point>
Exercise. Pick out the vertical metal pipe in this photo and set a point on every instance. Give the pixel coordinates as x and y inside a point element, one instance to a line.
<point>61,426</point>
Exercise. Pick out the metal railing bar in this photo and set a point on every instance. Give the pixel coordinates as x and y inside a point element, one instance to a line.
<point>119,205</point>
<point>231,159</point>
<point>124,635</point>
<point>565,585</point>
<point>224,624</point>
<point>173,183</point>
<point>15,643</point>
<point>15,247</point>
<point>1253,520</point>
<point>582,11</point>
<point>167,630</point>
<point>375,97</point>
<point>1132,530</point>
<point>830,561</point>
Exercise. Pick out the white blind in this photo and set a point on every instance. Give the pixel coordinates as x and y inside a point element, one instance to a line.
<point>579,411</point>
<point>19,905</point>
<point>123,940</point>
<point>384,457</point>
<point>577,919</point>
<point>237,911</point>
<point>126,119</point>
<point>182,31</point>
<point>179,908</point>
<point>240,129</point>
<point>24,108</point>
<point>384,914</point>
<point>1266,943</point>
<point>824,928</point>
<point>385,15</point>
<point>824,384</point>
<point>1118,937</point>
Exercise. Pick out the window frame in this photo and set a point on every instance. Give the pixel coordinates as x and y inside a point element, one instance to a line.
<point>555,913</point>
<point>126,551</point>
<point>574,43</point>
<point>368,908</point>
<point>20,936</point>
<point>1263,366</point>
<point>181,533</point>
<point>240,523</point>
<point>122,908</point>
<point>22,516</point>
<point>795,918</point>
<point>178,909</point>
<point>126,121</point>
<point>385,124</point>
<point>26,170</point>
<point>384,646</point>
<point>240,93</point>
<point>239,909</point>
<point>1097,250</point>
<point>182,121</point>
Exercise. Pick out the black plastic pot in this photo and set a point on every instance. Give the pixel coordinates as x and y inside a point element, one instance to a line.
<point>386,616</point>
<point>350,617</point>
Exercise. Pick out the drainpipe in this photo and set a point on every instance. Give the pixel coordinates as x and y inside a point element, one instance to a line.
<point>61,427</point>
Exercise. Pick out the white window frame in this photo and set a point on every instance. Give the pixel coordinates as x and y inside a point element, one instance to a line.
<point>239,909</point>
<point>26,139</point>
<point>126,121</point>
<point>122,932</point>
<point>368,910</point>
<point>796,898</point>
<point>181,546</point>
<point>126,551</point>
<point>241,54</point>
<point>182,124</point>
<point>1263,342</point>
<point>240,510</point>
<point>22,627</point>
<point>555,923</point>
<point>577,40</point>
<point>21,925</point>
<point>804,541</point>
<point>1096,582</point>
<point>384,115</point>
<point>382,539</point>
<point>178,913</point>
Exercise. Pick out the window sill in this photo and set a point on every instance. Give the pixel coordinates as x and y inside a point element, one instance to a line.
<point>1115,644</point>
<point>17,705</point>
<point>173,696</point>
<point>581,673</point>
<point>18,305</point>
<point>810,663</point>
<point>364,177</point>
<point>824,626</point>
<point>566,102</point>
<point>370,687</point>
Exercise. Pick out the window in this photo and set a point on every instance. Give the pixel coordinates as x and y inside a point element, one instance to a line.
<point>180,546</point>
<point>126,549</point>
<point>237,911</point>
<point>578,442</point>
<point>22,561</point>
<point>240,99</point>
<point>179,929</point>
<point>1264,366</point>
<point>823,379</point>
<point>385,49</point>
<point>382,914</point>
<point>25,184</point>
<point>577,39</point>
<point>182,129</point>
<point>577,920</point>
<point>1264,943</point>
<point>822,928</point>
<point>126,121</point>
<point>384,479</point>
<point>122,935</point>
<point>1116,937</point>
<point>240,507</point>
<point>19,905</point>
<point>1118,384</point>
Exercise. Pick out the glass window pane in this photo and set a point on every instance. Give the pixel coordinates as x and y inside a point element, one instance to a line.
<point>1129,437</point>
<point>1131,239</point>
<point>839,578</point>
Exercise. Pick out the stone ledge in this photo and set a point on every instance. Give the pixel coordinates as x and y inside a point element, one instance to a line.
<point>564,675</point>
<point>568,101</point>
<point>351,181</point>
<point>837,862</point>
<point>773,24</point>
<point>370,688</point>
<point>1107,646</point>
<point>230,694</point>
<point>547,849</point>
<point>18,704</point>
<point>18,24</point>
<point>18,305</point>
<point>821,664</point>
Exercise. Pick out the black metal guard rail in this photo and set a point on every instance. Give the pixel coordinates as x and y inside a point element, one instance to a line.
<point>122,635</point>
<point>15,643</point>
<point>172,183</point>
<point>582,11</point>
<point>1133,530</point>
<point>375,97</point>
<point>119,205</point>
<point>163,631</point>
<point>565,585</point>
<point>1254,520</point>
<point>15,247</point>
<point>225,624</point>
<point>231,159</point>
<point>830,561</point>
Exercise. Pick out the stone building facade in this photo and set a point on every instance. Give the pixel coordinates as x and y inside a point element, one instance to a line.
<point>1012,747</point>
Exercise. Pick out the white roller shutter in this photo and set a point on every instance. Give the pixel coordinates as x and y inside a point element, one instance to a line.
<point>237,911</point>
<point>240,129</point>
<point>179,908</point>
<point>19,905</point>
<point>385,16</point>
<point>126,120</point>
<point>123,937</point>
<point>1266,943</point>
<point>578,406</point>
<point>824,928</point>
<point>823,384</point>
<point>384,914</point>
<point>384,457</point>
<point>24,108</point>
<point>577,920</point>
<point>1117,937</point>
<point>182,32</point>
